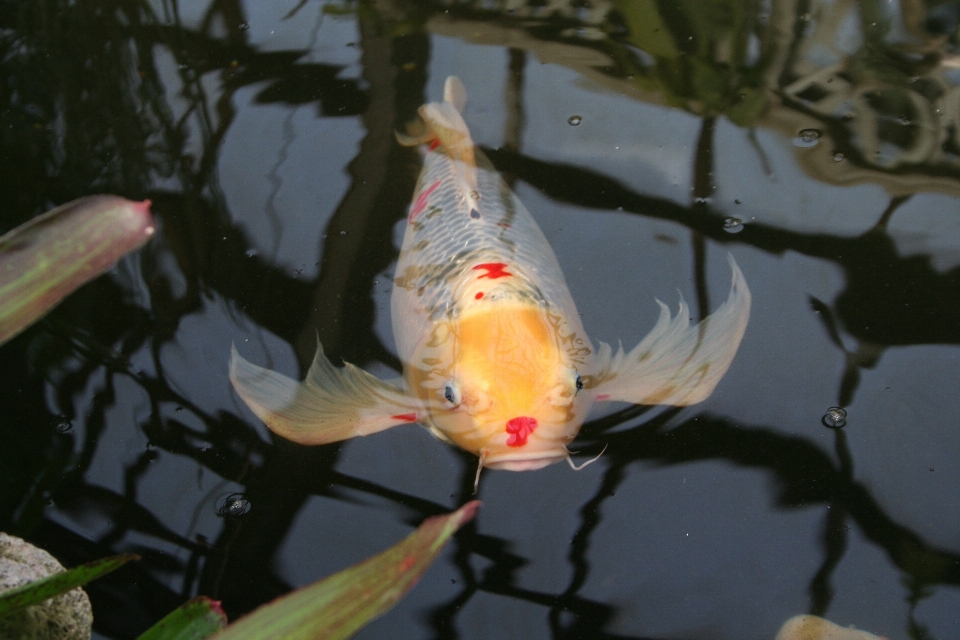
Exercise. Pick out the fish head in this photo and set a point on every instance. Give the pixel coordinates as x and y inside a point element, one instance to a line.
<point>506,387</point>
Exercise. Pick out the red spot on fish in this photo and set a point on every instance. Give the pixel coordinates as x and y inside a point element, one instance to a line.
<point>434,144</point>
<point>603,396</point>
<point>479,295</point>
<point>519,430</point>
<point>503,224</point>
<point>406,417</point>
<point>421,202</point>
<point>494,270</point>
<point>407,562</point>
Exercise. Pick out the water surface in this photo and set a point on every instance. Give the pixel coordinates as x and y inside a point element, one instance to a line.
<point>815,141</point>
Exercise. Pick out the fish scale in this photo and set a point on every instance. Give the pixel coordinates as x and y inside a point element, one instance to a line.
<point>443,242</point>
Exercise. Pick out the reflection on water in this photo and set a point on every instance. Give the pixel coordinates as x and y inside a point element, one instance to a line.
<point>265,138</point>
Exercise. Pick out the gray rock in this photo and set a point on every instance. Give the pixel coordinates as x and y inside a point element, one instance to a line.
<point>66,617</point>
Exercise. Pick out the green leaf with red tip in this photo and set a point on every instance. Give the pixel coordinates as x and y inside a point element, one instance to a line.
<point>44,260</point>
<point>336,607</point>
<point>45,588</point>
<point>194,620</point>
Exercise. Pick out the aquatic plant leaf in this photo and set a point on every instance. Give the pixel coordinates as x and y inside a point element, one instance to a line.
<point>336,607</point>
<point>748,107</point>
<point>44,260</point>
<point>195,619</point>
<point>39,590</point>
<point>647,28</point>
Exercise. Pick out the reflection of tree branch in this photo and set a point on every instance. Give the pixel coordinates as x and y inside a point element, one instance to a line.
<point>79,496</point>
<point>341,310</point>
<point>342,297</point>
<point>703,188</point>
<point>834,538</point>
<point>211,254</point>
<point>806,476</point>
<point>834,543</point>
<point>866,355</point>
<point>579,547</point>
<point>513,104</point>
<point>925,309</point>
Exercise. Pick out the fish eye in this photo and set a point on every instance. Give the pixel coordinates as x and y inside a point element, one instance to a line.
<point>579,382</point>
<point>451,393</point>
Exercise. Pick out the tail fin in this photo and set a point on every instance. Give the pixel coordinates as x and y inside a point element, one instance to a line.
<point>455,93</point>
<point>442,121</point>
<point>677,363</point>
<point>330,405</point>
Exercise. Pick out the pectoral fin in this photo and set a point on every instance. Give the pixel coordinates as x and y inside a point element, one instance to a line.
<point>676,363</point>
<point>332,404</point>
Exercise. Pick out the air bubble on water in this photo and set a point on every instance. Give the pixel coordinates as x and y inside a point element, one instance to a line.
<point>807,138</point>
<point>251,253</point>
<point>62,424</point>
<point>737,201</point>
<point>838,157</point>
<point>733,225</point>
<point>903,120</point>
<point>835,417</point>
<point>574,120</point>
<point>234,505</point>
<point>243,26</point>
<point>343,233</point>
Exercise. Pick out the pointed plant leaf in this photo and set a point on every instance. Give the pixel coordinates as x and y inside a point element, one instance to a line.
<point>336,607</point>
<point>194,620</point>
<point>39,590</point>
<point>44,260</point>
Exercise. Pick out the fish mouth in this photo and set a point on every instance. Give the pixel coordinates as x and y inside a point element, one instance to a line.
<point>525,464</point>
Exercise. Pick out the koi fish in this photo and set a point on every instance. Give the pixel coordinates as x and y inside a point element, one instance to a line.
<point>808,627</point>
<point>495,357</point>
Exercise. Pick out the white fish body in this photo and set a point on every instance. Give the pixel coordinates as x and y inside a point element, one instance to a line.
<point>495,357</point>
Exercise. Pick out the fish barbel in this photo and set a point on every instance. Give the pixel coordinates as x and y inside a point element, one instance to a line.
<point>495,357</point>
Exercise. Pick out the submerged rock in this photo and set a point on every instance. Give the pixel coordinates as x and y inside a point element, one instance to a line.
<point>66,617</point>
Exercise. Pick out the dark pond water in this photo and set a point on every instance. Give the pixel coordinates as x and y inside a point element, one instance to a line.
<point>817,142</point>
